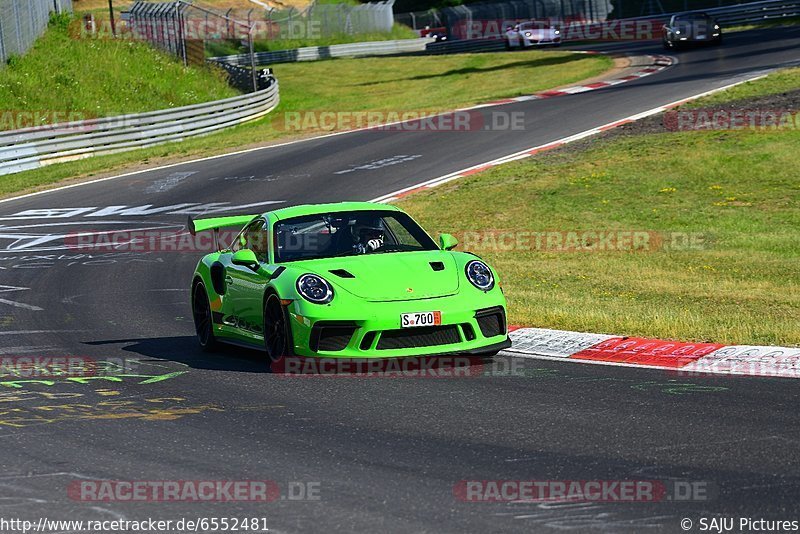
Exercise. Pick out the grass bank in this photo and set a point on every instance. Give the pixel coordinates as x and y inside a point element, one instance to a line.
<point>419,83</point>
<point>718,210</point>
<point>99,78</point>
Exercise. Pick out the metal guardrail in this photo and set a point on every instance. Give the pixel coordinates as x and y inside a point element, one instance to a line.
<point>462,46</point>
<point>755,12</point>
<point>752,12</point>
<point>31,148</point>
<point>726,16</point>
<point>314,53</point>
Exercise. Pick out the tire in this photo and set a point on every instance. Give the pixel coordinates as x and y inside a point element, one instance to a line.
<point>277,331</point>
<point>203,319</point>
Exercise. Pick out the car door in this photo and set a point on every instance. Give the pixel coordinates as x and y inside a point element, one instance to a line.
<point>245,285</point>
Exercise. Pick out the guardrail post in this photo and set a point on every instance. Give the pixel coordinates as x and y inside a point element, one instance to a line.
<point>252,58</point>
<point>20,45</point>
<point>3,56</point>
<point>179,34</point>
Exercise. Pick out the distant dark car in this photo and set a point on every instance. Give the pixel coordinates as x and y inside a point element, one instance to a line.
<point>691,28</point>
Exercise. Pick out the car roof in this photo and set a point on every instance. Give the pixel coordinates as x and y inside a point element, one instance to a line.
<point>313,209</point>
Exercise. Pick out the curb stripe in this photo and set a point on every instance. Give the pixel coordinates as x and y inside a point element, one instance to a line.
<point>658,63</point>
<point>391,197</point>
<point>669,61</point>
<point>603,349</point>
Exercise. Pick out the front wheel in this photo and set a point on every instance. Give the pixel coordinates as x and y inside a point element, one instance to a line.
<point>277,332</point>
<point>203,323</point>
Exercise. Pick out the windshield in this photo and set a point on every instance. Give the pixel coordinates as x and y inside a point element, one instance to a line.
<point>534,26</point>
<point>692,18</point>
<point>348,234</point>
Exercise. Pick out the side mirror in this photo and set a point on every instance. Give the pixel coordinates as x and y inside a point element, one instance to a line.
<point>245,257</point>
<point>447,241</point>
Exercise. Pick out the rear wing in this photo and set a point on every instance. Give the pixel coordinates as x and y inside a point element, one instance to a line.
<point>215,223</point>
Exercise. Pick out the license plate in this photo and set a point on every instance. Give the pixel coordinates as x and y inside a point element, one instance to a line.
<point>411,320</point>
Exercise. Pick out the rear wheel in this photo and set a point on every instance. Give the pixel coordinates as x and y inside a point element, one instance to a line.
<point>203,323</point>
<point>277,332</point>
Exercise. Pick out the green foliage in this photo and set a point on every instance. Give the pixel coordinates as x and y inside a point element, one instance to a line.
<point>101,77</point>
<point>737,192</point>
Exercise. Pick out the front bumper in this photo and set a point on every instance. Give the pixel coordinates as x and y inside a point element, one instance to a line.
<point>527,41</point>
<point>468,326</point>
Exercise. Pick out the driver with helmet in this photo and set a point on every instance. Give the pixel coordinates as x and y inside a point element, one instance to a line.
<point>368,235</point>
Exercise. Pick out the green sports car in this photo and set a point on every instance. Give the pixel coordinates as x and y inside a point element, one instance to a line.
<point>347,280</point>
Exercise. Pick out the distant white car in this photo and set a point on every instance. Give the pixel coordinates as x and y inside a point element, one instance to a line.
<point>527,34</point>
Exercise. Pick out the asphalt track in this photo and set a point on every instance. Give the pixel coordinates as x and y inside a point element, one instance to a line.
<point>386,453</point>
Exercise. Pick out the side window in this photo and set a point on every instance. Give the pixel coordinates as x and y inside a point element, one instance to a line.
<point>400,235</point>
<point>255,238</point>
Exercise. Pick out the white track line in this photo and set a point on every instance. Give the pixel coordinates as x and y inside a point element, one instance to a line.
<point>296,141</point>
<point>528,152</point>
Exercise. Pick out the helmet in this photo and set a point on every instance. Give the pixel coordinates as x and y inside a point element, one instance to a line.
<point>367,228</point>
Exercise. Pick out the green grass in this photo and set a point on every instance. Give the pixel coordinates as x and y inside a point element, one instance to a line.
<point>737,191</point>
<point>428,82</point>
<point>423,83</point>
<point>779,82</point>
<point>101,78</point>
<point>774,23</point>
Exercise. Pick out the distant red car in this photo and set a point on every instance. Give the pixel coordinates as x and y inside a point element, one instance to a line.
<point>440,34</point>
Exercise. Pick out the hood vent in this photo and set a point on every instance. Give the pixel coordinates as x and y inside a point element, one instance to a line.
<point>342,273</point>
<point>437,266</point>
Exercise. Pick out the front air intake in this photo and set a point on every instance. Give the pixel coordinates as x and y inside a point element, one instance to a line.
<point>409,338</point>
<point>331,336</point>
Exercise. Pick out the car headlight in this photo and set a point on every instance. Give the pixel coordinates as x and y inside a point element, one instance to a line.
<point>716,26</point>
<point>528,34</point>
<point>557,32</point>
<point>677,32</point>
<point>314,289</point>
<point>479,274</point>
